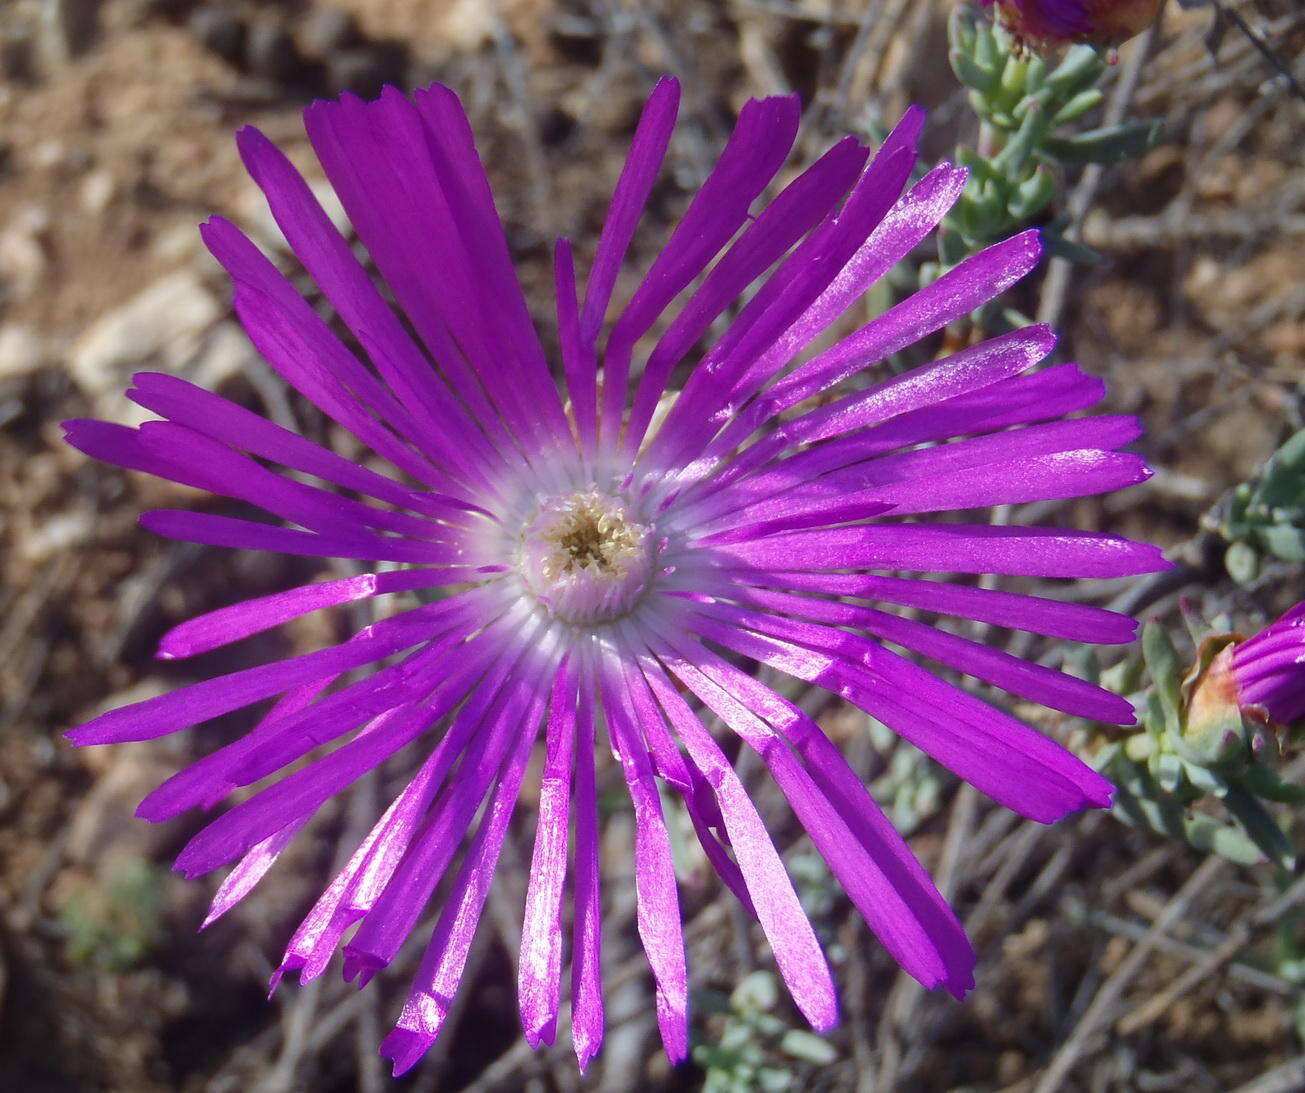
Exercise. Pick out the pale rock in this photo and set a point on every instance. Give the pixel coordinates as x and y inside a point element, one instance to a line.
<point>22,350</point>
<point>97,191</point>
<point>167,318</point>
<point>469,24</point>
<point>49,154</point>
<point>226,352</point>
<point>57,535</point>
<point>23,260</point>
<point>178,243</point>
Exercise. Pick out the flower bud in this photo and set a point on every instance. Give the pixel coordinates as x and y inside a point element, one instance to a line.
<point>1270,669</point>
<point>1243,692</point>
<point>1217,730</point>
<point>1052,23</point>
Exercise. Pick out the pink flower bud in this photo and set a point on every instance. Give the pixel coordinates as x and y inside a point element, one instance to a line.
<point>1051,23</point>
<point>1270,668</point>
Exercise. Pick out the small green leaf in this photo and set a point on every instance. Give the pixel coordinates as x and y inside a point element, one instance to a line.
<point>986,51</point>
<point>1057,246</point>
<point>961,29</point>
<point>1010,161</point>
<point>773,1080</point>
<point>1162,663</point>
<point>1081,68</point>
<point>1206,833</point>
<point>1204,779</point>
<point>1036,75</point>
<point>1112,144</point>
<point>757,991</point>
<point>973,74</point>
<point>1079,105</point>
<point>1260,826</point>
<point>1242,562</point>
<point>1167,769</point>
<point>808,1047</point>
<point>1283,541</point>
<point>1032,195</point>
<point>1011,88</point>
<point>1264,782</point>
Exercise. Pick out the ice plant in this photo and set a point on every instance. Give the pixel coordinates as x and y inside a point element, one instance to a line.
<point>615,563</point>
<point>1062,22</point>
<point>1214,733</point>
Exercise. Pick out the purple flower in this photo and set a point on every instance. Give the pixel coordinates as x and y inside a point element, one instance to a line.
<point>1269,669</point>
<point>610,564</point>
<point>1060,22</point>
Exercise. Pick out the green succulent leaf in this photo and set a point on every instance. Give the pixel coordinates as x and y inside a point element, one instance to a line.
<point>1283,541</point>
<point>972,73</point>
<point>1082,66</point>
<point>808,1047</point>
<point>1242,562</point>
<point>1057,246</point>
<point>1079,105</point>
<point>1162,662</point>
<point>1260,826</point>
<point>1112,144</point>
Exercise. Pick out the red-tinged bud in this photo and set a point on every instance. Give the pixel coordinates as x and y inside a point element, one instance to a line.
<point>1053,23</point>
<point>1217,726</point>
<point>1245,692</point>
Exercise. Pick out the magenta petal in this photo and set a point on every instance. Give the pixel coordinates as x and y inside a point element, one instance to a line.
<point>1067,621</point>
<point>579,364</point>
<point>205,412</point>
<point>1270,668</point>
<point>327,256</point>
<point>395,912</point>
<point>227,531</point>
<point>652,136</point>
<point>300,794</point>
<point>658,904</point>
<point>802,204</point>
<point>1004,758</point>
<point>756,150</point>
<point>907,223</point>
<point>299,344</point>
<point>954,548</point>
<point>922,932</point>
<point>540,968</point>
<point>587,1012</point>
<point>786,926</point>
<point>440,972</point>
<point>466,186</point>
<point>975,281</point>
<point>227,473</point>
<point>208,780</point>
<point>201,701</point>
<point>415,192</point>
<point>250,870</point>
<point>356,888</point>
<point>704,406</point>
<point>228,624</point>
<point>684,776</point>
<point>1032,681</point>
<point>911,920</point>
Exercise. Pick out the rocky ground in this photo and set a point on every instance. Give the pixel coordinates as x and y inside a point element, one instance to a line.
<point>115,141</point>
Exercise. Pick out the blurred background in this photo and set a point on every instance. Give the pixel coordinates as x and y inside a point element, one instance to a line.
<point>1111,958</point>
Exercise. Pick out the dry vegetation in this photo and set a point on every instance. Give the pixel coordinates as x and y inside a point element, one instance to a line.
<point>1110,959</point>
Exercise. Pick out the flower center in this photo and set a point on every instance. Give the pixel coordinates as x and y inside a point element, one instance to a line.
<point>585,557</point>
